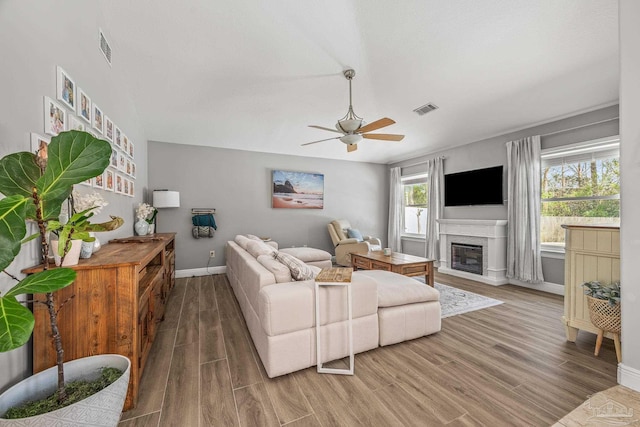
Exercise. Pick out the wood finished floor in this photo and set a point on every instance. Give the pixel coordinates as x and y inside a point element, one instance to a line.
<point>507,365</point>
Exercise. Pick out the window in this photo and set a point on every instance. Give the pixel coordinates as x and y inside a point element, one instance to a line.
<point>415,196</point>
<point>580,185</point>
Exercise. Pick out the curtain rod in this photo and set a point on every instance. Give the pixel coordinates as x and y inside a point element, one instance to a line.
<point>421,163</point>
<point>579,127</point>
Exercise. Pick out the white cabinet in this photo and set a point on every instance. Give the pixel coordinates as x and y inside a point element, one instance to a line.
<point>591,253</point>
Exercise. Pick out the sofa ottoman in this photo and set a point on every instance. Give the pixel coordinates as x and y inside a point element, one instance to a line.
<point>311,256</point>
<point>407,309</point>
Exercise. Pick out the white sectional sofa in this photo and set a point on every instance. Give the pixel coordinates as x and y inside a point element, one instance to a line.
<point>280,312</point>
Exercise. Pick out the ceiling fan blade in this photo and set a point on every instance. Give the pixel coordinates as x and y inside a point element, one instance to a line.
<point>376,125</point>
<point>315,142</point>
<point>351,147</point>
<point>383,136</point>
<point>323,128</point>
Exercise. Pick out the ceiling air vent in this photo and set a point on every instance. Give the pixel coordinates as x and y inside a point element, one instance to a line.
<point>105,48</point>
<point>426,108</point>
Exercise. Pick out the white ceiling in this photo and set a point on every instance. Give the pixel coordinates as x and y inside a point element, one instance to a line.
<point>252,75</point>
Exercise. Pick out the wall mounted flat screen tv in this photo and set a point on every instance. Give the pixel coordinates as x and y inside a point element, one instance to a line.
<point>474,187</point>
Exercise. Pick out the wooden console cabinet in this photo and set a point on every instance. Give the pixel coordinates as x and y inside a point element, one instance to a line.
<point>116,303</point>
<point>592,252</point>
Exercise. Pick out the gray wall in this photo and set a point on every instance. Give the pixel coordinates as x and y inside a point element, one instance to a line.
<point>35,36</point>
<point>629,165</point>
<point>492,152</point>
<point>238,185</point>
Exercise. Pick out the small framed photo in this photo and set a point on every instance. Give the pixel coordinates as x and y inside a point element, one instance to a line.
<point>125,144</point>
<point>119,184</point>
<point>114,159</point>
<point>118,137</point>
<point>125,186</point>
<point>40,145</point>
<point>65,89</point>
<point>55,117</point>
<point>131,149</point>
<point>98,181</point>
<point>109,181</point>
<point>88,182</point>
<point>98,123</point>
<point>84,106</point>
<point>133,169</point>
<point>128,170</point>
<point>131,192</point>
<point>122,162</point>
<point>108,129</point>
<point>74,123</point>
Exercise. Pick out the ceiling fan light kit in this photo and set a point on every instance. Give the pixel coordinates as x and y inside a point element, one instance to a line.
<point>354,128</point>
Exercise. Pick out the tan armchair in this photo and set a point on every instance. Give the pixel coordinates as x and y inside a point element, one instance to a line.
<point>345,246</point>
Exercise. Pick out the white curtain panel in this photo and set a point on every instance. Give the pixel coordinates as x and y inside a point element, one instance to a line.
<point>523,212</point>
<point>395,210</point>
<point>435,207</point>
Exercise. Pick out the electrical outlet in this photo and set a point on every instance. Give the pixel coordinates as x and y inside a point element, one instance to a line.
<point>212,254</point>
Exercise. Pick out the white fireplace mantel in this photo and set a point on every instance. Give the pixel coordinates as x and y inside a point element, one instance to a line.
<point>490,234</point>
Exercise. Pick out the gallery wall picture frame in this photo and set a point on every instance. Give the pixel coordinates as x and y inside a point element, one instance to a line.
<point>97,119</point>
<point>109,180</point>
<point>108,129</point>
<point>118,137</point>
<point>55,117</point>
<point>114,159</point>
<point>132,193</point>
<point>125,186</point>
<point>128,167</point>
<point>84,106</point>
<point>119,183</point>
<point>131,151</point>
<point>40,145</point>
<point>98,181</point>
<point>88,182</point>
<point>297,190</point>
<point>74,123</point>
<point>125,144</point>
<point>65,88</point>
<point>133,169</point>
<point>122,162</point>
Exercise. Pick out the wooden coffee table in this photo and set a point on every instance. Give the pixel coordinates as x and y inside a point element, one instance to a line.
<point>407,265</point>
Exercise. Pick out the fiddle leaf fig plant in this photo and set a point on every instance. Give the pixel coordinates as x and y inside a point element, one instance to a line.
<point>35,187</point>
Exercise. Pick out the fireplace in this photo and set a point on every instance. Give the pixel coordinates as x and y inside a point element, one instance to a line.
<point>466,257</point>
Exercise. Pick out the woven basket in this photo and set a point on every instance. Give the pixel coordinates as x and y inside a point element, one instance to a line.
<point>604,316</point>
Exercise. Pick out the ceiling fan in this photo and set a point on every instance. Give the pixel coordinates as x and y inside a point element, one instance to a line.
<point>354,128</point>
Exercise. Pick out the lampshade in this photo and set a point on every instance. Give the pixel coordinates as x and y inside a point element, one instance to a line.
<point>166,199</point>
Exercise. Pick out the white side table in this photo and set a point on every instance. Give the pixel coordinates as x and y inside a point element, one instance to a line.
<point>334,277</point>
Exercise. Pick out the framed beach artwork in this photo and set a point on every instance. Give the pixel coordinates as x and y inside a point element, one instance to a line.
<point>98,181</point>
<point>109,181</point>
<point>40,145</point>
<point>74,123</point>
<point>65,89</point>
<point>108,129</point>
<point>84,106</point>
<point>297,190</point>
<point>98,123</point>
<point>55,117</point>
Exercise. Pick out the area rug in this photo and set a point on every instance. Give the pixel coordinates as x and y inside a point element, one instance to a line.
<point>455,301</point>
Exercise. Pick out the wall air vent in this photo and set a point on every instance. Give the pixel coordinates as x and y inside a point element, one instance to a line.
<point>105,48</point>
<point>426,108</point>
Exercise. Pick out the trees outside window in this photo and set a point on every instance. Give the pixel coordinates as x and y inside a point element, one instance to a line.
<point>415,197</point>
<point>579,185</point>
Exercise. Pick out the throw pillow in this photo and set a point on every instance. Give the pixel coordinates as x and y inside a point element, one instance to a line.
<point>256,248</point>
<point>299,270</point>
<point>280,271</point>
<point>242,241</point>
<point>252,237</point>
<point>354,233</point>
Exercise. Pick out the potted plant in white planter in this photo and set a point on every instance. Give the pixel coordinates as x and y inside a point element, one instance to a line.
<point>35,187</point>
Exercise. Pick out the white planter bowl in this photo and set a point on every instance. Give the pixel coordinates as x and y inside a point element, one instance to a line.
<point>102,409</point>
<point>72,257</point>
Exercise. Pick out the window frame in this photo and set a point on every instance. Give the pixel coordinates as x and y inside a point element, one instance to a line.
<point>592,146</point>
<point>417,177</point>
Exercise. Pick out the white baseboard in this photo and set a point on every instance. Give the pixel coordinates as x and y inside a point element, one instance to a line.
<point>629,377</point>
<point>201,271</point>
<point>552,288</point>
